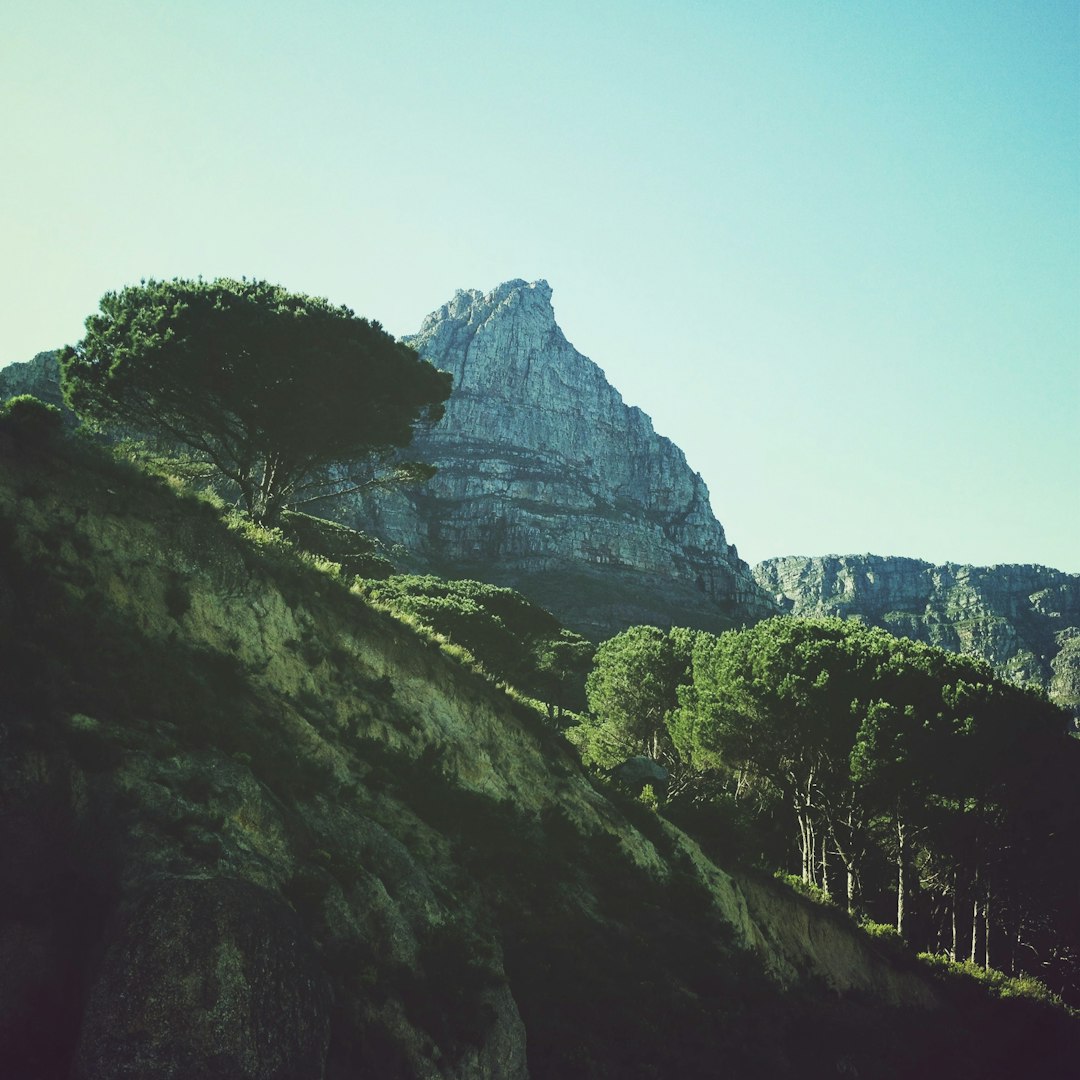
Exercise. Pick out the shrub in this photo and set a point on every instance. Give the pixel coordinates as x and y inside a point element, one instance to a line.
<point>996,982</point>
<point>29,420</point>
<point>885,932</point>
<point>805,888</point>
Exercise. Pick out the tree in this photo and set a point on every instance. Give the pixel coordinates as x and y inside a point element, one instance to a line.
<point>773,703</point>
<point>631,690</point>
<point>273,388</point>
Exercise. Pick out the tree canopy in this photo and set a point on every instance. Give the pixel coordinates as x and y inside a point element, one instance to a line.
<point>272,387</point>
<point>631,691</point>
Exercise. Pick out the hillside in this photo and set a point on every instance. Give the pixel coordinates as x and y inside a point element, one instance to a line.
<point>1024,620</point>
<point>255,828</point>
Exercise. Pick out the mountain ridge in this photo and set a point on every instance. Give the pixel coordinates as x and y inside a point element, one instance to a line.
<point>1022,618</point>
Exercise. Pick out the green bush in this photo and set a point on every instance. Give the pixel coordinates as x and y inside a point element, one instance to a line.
<point>806,888</point>
<point>29,420</point>
<point>884,932</point>
<point>996,982</point>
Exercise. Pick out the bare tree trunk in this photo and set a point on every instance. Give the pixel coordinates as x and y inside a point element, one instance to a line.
<point>901,883</point>
<point>955,902</point>
<point>974,929</point>
<point>807,846</point>
<point>825,864</point>
<point>986,931</point>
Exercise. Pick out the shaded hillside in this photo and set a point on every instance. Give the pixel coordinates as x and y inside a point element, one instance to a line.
<point>1024,620</point>
<point>254,828</point>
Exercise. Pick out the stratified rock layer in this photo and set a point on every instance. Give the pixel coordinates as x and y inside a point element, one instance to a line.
<point>550,483</point>
<point>1025,620</point>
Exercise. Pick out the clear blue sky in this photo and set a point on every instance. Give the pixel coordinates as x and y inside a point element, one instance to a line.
<point>833,249</point>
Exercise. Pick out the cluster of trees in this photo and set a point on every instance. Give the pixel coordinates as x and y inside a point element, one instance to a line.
<point>888,772</point>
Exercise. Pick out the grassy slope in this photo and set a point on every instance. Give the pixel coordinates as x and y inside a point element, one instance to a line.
<point>222,770</point>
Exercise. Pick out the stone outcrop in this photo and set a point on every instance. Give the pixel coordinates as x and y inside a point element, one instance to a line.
<point>40,377</point>
<point>548,482</point>
<point>1024,620</point>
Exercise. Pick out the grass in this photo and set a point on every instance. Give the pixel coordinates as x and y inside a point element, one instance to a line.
<point>997,983</point>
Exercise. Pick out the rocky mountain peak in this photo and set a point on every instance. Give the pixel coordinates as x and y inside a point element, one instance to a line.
<point>550,483</point>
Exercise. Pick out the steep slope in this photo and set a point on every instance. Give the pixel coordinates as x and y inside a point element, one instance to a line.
<point>254,828</point>
<point>549,483</point>
<point>1025,620</point>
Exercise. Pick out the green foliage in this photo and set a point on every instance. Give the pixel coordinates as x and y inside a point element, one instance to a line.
<point>882,932</point>
<point>631,691</point>
<point>805,888</point>
<point>510,637</point>
<point>649,798</point>
<point>356,553</point>
<point>29,421</point>
<point>271,387</point>
<point>997,982</point>
<point>905,775</point>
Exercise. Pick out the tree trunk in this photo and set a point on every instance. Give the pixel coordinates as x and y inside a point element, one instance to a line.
<point>986,931</point>
<point>852,890</point>
<point>974,930</point>
<point>805,845</point>
<point>901,866</point>
<point>955,902</point>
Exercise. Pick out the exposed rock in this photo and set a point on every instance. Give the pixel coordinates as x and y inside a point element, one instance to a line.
<point>40,377</point>
<point>549,483</point>
<point>1024,620</point>
<point>638,771</point>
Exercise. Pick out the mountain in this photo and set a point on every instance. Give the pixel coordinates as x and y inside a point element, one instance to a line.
<point>1024,620</point>
<point>254,827</point>
<point>548,482</point>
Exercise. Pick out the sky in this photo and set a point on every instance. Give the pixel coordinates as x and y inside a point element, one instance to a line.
<point>832,249</point>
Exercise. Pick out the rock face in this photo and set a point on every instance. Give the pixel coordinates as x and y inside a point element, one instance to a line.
<point>549,483</point>
<point>1025,620</point>
<point>40,377</point>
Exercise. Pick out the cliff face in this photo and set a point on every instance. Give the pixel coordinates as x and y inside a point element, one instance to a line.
<point>549,483</point>
<point>40,377</point>
<point>1024,620</point>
